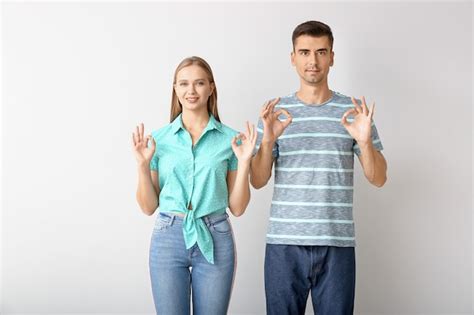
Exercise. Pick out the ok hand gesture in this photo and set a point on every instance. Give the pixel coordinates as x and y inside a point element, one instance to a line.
<point>140,148</point>
<point>360,128</point>
<point>244,151</point>
<point>272,126</point>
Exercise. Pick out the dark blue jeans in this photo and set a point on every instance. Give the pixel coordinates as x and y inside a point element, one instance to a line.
<point>292,271</point>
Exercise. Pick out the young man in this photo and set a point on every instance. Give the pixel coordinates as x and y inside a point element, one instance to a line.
<point>310,240</point>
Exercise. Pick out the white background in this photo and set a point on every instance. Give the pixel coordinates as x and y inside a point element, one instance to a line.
<point>77,78</point>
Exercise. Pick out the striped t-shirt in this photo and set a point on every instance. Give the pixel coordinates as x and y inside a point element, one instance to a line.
<point>314,172</point>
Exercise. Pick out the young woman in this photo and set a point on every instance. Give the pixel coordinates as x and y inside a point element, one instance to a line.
<point>194,169</point>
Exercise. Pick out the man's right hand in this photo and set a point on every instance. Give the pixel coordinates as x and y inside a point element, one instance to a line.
<point>143,153</point>
<point>272,126</point>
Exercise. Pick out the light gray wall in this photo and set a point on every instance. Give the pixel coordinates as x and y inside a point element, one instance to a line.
<point>77,78</point>
<point>472,170</point>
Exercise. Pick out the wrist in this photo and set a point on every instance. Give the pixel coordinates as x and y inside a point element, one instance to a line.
<point>365,145</point>
<point>143,165</point>
<point>244,163</point>
<point>267,143</point>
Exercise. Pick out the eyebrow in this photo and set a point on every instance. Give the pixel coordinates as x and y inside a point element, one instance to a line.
<point>305,50</point>
<point>185,80</point>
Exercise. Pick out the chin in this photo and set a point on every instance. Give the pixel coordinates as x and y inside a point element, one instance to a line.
<point>194,107</point>
<point>314,80</point>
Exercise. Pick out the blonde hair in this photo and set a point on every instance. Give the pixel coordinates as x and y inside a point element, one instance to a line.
<point>176,107</point>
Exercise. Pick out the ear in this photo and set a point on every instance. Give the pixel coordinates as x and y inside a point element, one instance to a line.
<point>292,58</point>
<point>332,59</point>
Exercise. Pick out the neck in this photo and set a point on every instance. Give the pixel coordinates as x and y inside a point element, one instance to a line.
<point>314,94</point>
<point>195,120</point>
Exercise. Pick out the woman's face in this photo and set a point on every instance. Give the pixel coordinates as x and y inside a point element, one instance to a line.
<point>193,87</point>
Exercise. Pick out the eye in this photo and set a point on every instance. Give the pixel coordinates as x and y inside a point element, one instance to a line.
<point>201,83</point>
<point>183,83</point>
<point>304,53</point>
<point>322,52</point>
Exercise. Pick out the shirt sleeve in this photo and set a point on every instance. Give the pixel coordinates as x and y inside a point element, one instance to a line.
<point>154,163</point>
<point>154,160</point>
<point>275,151</point>
<point>233,162</point>
<point>375,141</point>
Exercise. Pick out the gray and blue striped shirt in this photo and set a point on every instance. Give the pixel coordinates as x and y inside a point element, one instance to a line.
<point>314,171</point>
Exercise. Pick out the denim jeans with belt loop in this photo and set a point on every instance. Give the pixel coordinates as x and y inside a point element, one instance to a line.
<point>177,273</point>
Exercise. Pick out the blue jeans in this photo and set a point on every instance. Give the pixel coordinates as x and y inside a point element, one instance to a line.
<point>176,271</point>
<point>292,271</point>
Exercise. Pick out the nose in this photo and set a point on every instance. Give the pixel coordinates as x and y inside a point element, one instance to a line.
<point>191,89</point>
<point>313,59</point>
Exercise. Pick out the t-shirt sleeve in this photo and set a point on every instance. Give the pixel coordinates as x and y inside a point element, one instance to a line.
<point>377,143</point>
<point>275,151</point>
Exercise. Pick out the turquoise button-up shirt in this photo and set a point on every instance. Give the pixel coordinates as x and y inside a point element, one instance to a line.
<point>194,175</point>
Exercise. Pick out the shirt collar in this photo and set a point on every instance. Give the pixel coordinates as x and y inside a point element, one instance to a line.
<point>177,124</point>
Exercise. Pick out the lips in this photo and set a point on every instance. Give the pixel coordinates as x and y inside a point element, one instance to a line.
<point>192,99</point>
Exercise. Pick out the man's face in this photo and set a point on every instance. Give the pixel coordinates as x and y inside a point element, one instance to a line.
<point>312,58</point>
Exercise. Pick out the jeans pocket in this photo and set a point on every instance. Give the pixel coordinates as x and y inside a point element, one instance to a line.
<point>221,227</point>
<point>162,223</point>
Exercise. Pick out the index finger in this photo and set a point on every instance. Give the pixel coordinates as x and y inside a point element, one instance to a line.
<point>287,113</point>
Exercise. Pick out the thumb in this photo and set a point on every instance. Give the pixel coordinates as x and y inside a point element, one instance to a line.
<point>344,121</point>
<point>287,121</point>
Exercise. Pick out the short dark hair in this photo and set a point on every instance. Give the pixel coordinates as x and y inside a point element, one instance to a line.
<point>312,28</point>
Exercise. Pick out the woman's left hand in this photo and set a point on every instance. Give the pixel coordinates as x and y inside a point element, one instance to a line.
<point>244,150</point>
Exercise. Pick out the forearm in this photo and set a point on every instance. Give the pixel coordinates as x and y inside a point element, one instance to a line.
<point>239,197</point>
<point>374,165</point>
<point>261,166</point>
<point>147,196</point>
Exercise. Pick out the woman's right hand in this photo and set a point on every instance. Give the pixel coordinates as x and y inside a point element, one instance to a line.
<point>143,153</point>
